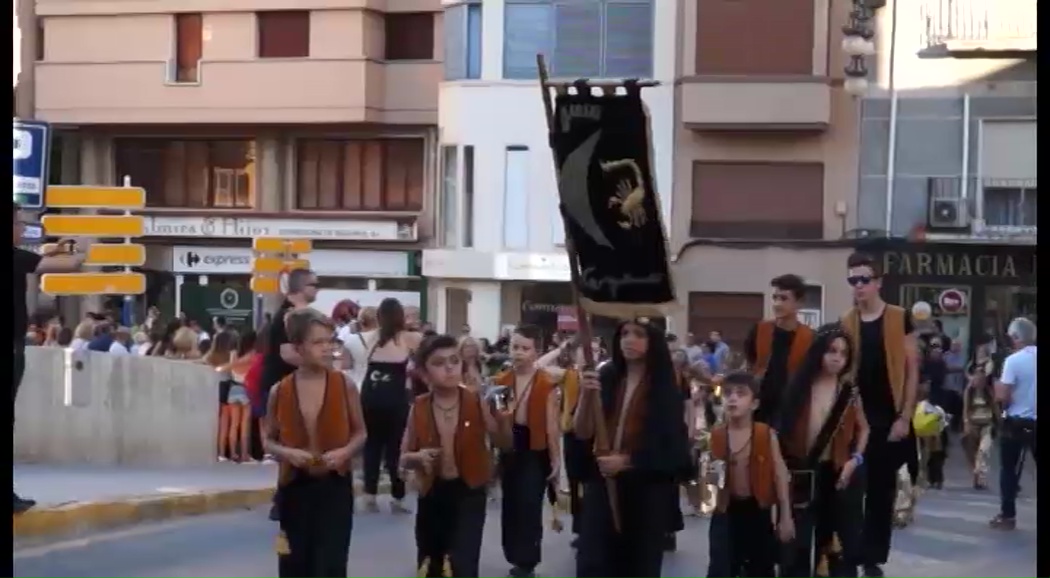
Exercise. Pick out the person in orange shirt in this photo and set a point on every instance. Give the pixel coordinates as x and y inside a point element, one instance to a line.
<point>531,406</point>
<point>314,426</point>
<point>445,444</point>
<point>824,433</point>
<point>751,477</point>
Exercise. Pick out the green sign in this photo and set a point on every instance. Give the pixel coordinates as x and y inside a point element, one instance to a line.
<point>204,303</point>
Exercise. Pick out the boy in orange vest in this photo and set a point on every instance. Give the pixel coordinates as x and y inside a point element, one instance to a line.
<point>751,476</point>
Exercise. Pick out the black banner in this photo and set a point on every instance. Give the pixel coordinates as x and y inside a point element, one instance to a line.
<point>601,147</point>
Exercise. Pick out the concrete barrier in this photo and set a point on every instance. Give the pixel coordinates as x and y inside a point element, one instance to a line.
<point>100,408</point>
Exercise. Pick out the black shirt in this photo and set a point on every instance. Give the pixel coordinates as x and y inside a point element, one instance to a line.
<point>934,372</point>
<point>25,263</point>
<point>873,378</point>
<point>275,368</point>
<point>775,380</point>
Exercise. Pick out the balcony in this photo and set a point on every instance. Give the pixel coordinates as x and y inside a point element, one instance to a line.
<point>982,209</point>
<point>294,91</point>
<point>725,103</point>
<point>979,27</point>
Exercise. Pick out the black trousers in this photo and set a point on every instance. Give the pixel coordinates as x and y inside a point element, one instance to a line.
<point>935,461</point>
<point>638,550</point>
<point>881,462</point>
<point>523,483</point>
<point>577,457</point>
<point>317,518</point>
<point>450,522</point>
<point>1017,436</point>
<point>831,513</point>
<point>386,426</point>
<point>742,541</point>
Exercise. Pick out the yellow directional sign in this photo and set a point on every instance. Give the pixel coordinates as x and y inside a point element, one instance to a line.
<point>280,245</point>
<point>94,225</point>
<point>93,283</point>
<point>117,254</point>
<point>87,197</point>
<point>266,284</point>
<point>275,265</point>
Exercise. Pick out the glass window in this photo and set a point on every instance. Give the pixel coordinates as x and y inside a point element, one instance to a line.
<point>468,196</point>
<point>515,198</point>
<point>463,42</point>
<point>449,195</point>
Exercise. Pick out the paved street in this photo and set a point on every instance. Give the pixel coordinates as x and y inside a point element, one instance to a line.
<point>950,538</point>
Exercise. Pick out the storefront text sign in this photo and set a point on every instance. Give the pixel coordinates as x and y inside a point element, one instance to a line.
<point>959,264</point>
<point>251,227</point>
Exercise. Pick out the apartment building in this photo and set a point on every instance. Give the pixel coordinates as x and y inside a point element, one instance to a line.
<point>949,160</point>
<point>253,118</point>
<point>765,163</point>
<point>500,257</point>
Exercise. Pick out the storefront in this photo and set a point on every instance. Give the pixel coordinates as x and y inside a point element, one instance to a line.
<point>971,289</point>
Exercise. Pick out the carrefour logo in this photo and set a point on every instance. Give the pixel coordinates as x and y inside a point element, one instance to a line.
<point>23,145</point>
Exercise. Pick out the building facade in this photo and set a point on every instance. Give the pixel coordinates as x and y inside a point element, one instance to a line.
<point>949,160</point>
<point>311,119</point>
<point>765,163</point>
<point>500,257</point>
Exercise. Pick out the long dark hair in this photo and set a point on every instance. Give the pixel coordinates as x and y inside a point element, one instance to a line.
<point>163,346</point>
<point>665,447</point>
<point>427,348</point>
<point>391,318</point>
<point>801,385</point>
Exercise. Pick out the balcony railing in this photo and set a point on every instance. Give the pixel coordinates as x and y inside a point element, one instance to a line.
<point>980,25</point>
<point>996,207</point>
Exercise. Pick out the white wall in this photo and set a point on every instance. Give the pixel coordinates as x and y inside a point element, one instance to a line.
<point>492,114</point>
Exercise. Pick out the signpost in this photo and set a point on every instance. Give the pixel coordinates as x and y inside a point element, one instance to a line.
<point>274,258</point>
<point>32,150</point>
<point>125,254</point>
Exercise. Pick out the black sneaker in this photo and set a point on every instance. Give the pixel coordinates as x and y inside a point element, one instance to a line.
<point>21,505</point>
<point>873,571</point>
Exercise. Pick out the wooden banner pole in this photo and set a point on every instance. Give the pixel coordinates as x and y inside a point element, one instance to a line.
<point>602,443</point>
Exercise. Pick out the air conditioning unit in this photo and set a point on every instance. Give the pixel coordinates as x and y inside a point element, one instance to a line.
<point>948,214</point>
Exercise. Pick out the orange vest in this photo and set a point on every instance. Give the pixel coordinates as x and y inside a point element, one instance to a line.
<point>841,441</point>
<point>893,342</point>
<point>761,467</point>
<point>536,411</point>
<point>800,343</point>
<point>472,458</point>
<point>334,429</point>
<point>633,421</point>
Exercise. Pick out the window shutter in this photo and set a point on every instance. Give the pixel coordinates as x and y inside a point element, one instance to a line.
<point>527,31</point>
<point>456,42</point>
<point>577,50</point>
<point>628,40</point>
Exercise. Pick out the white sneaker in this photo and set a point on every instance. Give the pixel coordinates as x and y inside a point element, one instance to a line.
<point>222,459</point>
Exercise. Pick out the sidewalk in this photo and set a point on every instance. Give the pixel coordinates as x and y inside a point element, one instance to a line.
<point>77,499</point>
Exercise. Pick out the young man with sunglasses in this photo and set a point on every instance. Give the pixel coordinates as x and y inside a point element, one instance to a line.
<point>886,373</point>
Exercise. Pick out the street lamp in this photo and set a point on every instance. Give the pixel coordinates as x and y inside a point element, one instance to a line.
<point>857,43</point>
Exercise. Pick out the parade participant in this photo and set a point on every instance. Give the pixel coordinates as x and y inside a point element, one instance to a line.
<point>385,398</point>
<point>445,445</point>
<point>314,426</point>
<point>577,452</point>
<point>643,410</point>
<point>535,457</point>
<point>776,347</point>
<point>824,435</point>
<point>885,371</point>
<point>979,419</point>
<point>700,418</point>
<point>751,477</point>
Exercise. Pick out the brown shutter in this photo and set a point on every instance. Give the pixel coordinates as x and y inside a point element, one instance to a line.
<point>188,46</point>
<point>284,34</point>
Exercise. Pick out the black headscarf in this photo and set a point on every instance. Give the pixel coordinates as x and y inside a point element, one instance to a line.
<point>665,448</point>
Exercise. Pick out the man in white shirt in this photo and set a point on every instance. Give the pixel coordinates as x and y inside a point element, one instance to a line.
<point>1016,392</point>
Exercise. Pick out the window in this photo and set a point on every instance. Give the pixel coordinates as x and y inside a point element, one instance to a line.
<point>595,39</point>
<point>463,42</point>
<point>188,47</point>
<point>516,198</point>
<point>284,34</point>
<point>732,314</point>
<point>449,196</point>
<point>468,196</point>
<point>752,37</point>
<point>360,175</point>
<point>190,173</point>
<point>1010,204</point>
<point>409,36</point>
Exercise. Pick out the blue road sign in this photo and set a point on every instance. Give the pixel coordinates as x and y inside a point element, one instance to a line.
<point>31,152</point>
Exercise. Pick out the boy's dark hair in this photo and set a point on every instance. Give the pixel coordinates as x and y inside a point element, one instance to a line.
<point>791,283</point>
<point>859,259</point>
<point>741,379</point>
<point>531,332</point>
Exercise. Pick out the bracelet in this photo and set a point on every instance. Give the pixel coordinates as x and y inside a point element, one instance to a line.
<point>859,458</point>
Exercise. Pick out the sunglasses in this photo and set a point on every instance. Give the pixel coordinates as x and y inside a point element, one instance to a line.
<point>856,280</point>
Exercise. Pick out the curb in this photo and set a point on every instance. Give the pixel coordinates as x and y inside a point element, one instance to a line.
<point>80,518</point>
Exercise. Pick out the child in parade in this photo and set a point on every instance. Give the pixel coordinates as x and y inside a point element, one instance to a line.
<point>751,477</point>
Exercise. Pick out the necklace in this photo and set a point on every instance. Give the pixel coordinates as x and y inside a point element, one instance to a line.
<point>447,412</point>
